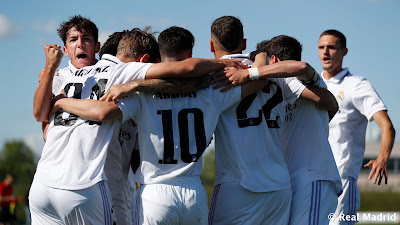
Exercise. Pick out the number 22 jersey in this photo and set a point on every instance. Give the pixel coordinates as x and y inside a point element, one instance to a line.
<point>248,138</point>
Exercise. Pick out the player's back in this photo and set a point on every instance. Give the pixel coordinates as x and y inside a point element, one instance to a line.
<point>247,138</point>
<point>174,130</point>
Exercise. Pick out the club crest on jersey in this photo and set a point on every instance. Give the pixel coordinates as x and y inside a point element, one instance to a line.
<point>340,96</point>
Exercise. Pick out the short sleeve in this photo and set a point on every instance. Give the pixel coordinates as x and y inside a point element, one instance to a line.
<point>57,82</point>
<point>367,100</point>
<point>128,72</point>
<point>130,107</point>
<point>292,89</point>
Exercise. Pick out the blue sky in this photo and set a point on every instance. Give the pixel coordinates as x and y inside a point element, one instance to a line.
<point>372,28</point>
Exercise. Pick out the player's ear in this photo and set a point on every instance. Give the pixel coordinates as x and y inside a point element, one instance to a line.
<point>97,48</point>
<point>212,46</point>
<point>145,58</point>
<point>345,51</point>
<point>66,51</point>
<point>244,44</point>
<point>274,59</point>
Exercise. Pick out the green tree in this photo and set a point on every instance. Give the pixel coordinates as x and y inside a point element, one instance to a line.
<point>18,159</point>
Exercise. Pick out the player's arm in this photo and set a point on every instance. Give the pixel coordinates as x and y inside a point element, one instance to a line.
<point>89,109</point>
<point>322,97</point>
<point>43,93</point>
<point>252,87</point>
<point>288,68</point>
<point>170,85</point>
<point>379,165</point>
<point>192,67</point>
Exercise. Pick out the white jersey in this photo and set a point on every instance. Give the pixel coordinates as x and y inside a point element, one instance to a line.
<point>75,151</point>
<point>174,130</point>
<point>308,154</point>
<point>358,102</point>
<point>118,158</point>
<point>248,138</point>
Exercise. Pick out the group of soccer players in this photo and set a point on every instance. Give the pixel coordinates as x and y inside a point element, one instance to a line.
<point>274,164</point>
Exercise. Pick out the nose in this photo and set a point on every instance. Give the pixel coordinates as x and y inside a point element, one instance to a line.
<point>80,42</point>
<point>325,50</point>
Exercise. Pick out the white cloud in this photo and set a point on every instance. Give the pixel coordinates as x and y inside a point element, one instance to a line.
<point>7,29</point>
<point>49,26</point>
<point>142,21</point>
<point>35,142</point>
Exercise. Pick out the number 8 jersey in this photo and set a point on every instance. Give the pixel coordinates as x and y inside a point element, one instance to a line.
<point>75,151</point>
<point>174,130</point>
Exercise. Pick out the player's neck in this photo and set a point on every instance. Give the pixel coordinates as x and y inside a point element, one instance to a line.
<point>221,53</point>
<point>328,74</point>
<point>173,59</point>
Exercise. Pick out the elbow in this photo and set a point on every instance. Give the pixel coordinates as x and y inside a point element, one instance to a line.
<point>393,131</point>
<point>304,66</point>
<point>39,116</point>
<point>334,106</point>
<point>101,117</point>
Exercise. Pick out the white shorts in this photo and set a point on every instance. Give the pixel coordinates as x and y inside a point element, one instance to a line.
<point>313,203</point>
<point>57,206</point>
<point>348,203</point>
<point>183,201</point>
<point>131,196</point>
<point>119,199</point>
<point>233,204</point>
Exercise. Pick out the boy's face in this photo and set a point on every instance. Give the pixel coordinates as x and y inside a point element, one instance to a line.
<point>81,48</point>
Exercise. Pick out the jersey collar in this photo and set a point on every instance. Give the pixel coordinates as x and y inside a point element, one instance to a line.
<point>72,67</point>
<point>338,77</point>
<point>111,58</point>
<point>245,58</point>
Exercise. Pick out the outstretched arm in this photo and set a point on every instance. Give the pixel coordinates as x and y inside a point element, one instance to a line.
<point>171,85</point>
<point>322,97</point>
<point>288,68</point>
<point>379,165</point>
<point>89,109</point>
<point>43,94</point>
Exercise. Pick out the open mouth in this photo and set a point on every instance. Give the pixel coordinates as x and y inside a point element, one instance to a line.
<point>82,56</point>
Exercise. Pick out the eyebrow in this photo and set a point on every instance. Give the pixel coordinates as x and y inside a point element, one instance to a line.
<point>84,35</point>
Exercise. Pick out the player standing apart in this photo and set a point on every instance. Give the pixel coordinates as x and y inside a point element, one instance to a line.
<point>358,104</point>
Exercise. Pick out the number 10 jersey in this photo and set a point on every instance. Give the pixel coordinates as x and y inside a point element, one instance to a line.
<point>174,130</point>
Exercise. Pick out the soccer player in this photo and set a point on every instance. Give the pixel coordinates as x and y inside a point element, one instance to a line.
<point>252,183</point>
<point>6,198</point>
<point>73,157</point>
<point>313,173</point>
<point>80,37</point>
<point>358,104</point>
<point>124,146</point>
<point>174,131</point>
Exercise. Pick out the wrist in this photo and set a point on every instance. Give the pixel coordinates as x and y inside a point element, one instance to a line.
<point>253,73</point>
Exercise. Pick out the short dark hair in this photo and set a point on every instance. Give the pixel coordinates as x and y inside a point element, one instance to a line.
<point>228,31</point>
<point>111,45</point>
<point>284,47</point>
<point>137,42</point>
<point>175,40</point>
<point>338,34</point>
<point>81,24</point>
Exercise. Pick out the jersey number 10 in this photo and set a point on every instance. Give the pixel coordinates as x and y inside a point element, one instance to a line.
<point>199,134</point>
